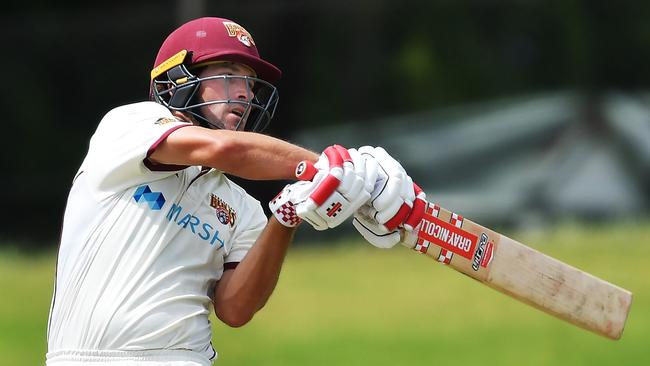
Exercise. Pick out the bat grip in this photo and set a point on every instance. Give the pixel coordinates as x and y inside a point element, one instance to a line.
<point>305,170</point>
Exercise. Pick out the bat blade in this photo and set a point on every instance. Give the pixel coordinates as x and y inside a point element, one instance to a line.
<point>521,272</point>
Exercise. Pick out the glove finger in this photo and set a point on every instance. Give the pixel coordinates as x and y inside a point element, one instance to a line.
<point>300,191</point>
<point>366,150</point>
<point>353,151</point>
<point>318,178</point>
<point>348,163</point>
<point>359,200</point>
<point>384,215</point>
<point>371,225</point>
<point>399,217</point>
<point>335,161</point>
<point>382,155</point>
<point>390,193</point>
<point>335,174</point>
<point>367,211</point>
<point>343,152</point>
<point>362,180</point>
<point>375,236</point>
<point>356,188</point>
<point>322,163</point>
<point>381,182</point>
<point>311,217</point>
<point>358,162</point>
<point>408,191</point>
<point>347,181</point>
<point>371,174</point>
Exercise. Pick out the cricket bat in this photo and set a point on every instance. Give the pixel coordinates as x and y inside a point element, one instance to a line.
<point>521,272</point>
<point>507,265</point>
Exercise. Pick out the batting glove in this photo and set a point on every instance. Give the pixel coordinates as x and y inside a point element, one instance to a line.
<point>327,207</point>
<point>396,202</point>
<point>379,235</point>
<point>283,206</point>
<point>338,189</point>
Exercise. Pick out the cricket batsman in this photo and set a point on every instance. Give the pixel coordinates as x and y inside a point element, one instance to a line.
<point>154,233</point>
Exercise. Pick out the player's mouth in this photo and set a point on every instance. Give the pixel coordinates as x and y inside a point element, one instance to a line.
<point>238,111</point>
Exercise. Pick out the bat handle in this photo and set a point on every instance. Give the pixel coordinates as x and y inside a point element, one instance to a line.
<point>305,170</point>
<point>408,239</point>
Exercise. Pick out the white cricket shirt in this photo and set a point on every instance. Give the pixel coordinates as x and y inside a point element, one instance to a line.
<point>142,247</point>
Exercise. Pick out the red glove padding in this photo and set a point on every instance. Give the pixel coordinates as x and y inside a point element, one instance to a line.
<point>417,212</point>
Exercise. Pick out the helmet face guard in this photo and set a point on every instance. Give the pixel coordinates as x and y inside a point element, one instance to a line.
<point>176,87</point>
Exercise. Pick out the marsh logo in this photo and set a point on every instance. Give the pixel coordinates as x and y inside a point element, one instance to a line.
<point>155,200</point>
<point>200,228</point>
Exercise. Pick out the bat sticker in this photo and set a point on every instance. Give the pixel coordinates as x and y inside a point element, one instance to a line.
<point>448,236</point>
<point>480,252</point>
<point>487,256</point>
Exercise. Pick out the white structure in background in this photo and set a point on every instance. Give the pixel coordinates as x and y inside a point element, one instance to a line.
<point>521,160</point>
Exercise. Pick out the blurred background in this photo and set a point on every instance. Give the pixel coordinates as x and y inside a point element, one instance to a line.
<point>522,114</point>
<point>495,107</point>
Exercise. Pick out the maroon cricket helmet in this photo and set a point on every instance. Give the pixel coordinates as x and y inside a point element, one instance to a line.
<point>197,43</point>
<point>216,39</point>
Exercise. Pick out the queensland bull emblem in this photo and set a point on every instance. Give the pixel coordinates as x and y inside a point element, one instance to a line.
<point>225,214</point>
<point>236,30</point>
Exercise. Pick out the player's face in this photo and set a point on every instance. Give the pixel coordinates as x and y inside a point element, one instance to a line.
<point>235,92</point>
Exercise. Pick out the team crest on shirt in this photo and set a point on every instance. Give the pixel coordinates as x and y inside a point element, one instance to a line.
<point>236,30</point>
<point>225,214</point>
<point>164,121</point>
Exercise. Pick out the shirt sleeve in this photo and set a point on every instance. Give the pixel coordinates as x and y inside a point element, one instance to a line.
<point>119,150</point>
<point>252,223</point>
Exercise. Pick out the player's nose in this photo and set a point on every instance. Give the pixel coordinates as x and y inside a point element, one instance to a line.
<point>241,90</point>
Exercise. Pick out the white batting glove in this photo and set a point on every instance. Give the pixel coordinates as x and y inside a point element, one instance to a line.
<point>366,167</point>
<point>396,202</point>
<point>393,194</point>
<point>338,189</point>
<point>283,206</point>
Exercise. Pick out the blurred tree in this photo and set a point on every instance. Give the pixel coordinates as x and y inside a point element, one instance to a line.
<point>66,64</point>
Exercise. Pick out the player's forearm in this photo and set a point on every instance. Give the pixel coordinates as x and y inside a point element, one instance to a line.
<point>243,154</point>
<point>256,156</point>
<point>250,285</point>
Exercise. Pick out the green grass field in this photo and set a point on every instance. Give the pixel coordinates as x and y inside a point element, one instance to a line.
<point>347,303</point>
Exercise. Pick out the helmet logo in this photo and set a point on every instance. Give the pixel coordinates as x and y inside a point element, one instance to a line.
<point>236,30</point>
